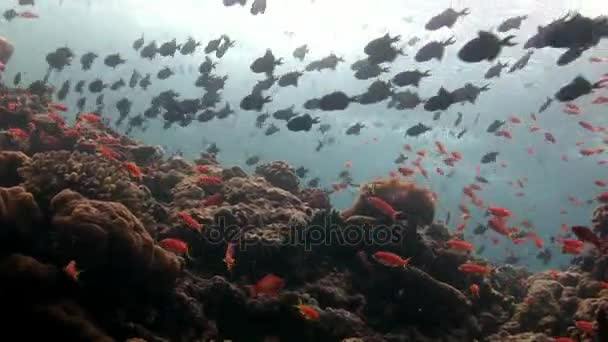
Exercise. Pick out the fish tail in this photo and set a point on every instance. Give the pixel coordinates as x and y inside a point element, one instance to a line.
<point>464,12</point>
<point>507,41</point>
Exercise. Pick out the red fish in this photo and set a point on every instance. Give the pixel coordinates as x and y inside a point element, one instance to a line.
<point>440,171</point>
<point>456,155</point>
<point>18,132</point>
<point>308,312</point>
<point>348,164</point>
<point>229,256</point>
<point>462,225</point>
<point>566,249</point>
<point>390,259</point>
<point>534,128</point>
<point>58,106</point>
<point>600,100</point>
<point>406,171</point>
<point>108,152</point>
<point>474,288</point>
<point>174,245</point>
<point>514,119</point>
<point>72,270</point>
<point>133,169</point>
<point>572,109</point>
<point>588,126</point>
<point>497,224</point>
<point>474,268</point>
<point>201,168</point>
<point>460,245</point>
<point>585,326</point>
<point>441,147</point>
<point>538,242</point>
<point>383,207</point>
<point>89,117</point>
<point>549,137</point>
<point>190,221</point>
<point>572,242</point>
<point>407,147</point>
<point>212,200</point>
<point>421,153</point>
<point>269,285</point>
<point>603,197</point>
<point>499,211</point>
<point>595,59</point>
<point>28,15</point>
<point>601,183</point>
<point>504,133</point>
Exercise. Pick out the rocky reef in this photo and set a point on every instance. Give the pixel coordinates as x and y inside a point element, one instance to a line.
<point>105,239</point>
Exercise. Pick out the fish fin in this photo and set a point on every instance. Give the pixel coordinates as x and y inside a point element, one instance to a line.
<point>507,41</point>
<point>464,12</point>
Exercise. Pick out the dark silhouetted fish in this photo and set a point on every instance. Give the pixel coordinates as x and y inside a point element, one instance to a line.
<point>417,130</point>
<point>264,84</point>
<point>164,73</point>
<point>207,66</point>
<point>355,129</point>
<point>495,126</point>
<point>334,101</point>
<point>265,64</point>
<point>96,86</point>
<point>469,92</point>
<point>60,58</point>
<point>300,52</point>
<point>458,120</point>
<point>79,88</point>
<point>545,105</point>
<point>63,91</point>
<point>149,51</point>
<point>324,128</point>
<point>99,100</point>
<point>169,48</point>
<point>118,84</point>
<point>320,145</point>
<point>272,129</point>
<point>124,107</point>
<point>213,149</point>
<point>17,79</point>
<point>370,71</point>
<point>225,111</point>
<point>329,62</point>
<point>436,116</point>
<point>290,79</point>
<point>257,7</point>
<point>206,115</point>
<point>301,172</point>
<point>376,92</point>
<point>512,23</point>
<point>404,100</point>
<point>10,14</point>
<point>213,45</point>
<point>413,41</point>
<point>81,103</point>
<point>572,31</point>
<point>313,183</point>
<point>87,60</point>
<point>224,47</point>
<point>495,70</point>
<point>254,102</point>
<point>210,99</point>
<point>381,49</point>
<point>252,160</point>
<point>229,3</point>
<point>135,77</point>
<point>575,89</point>
<point>434,50</point>
<point>400,159</point>
<point>489,157</point>
<point>522,61</point>
<point>285,114</point>
<point>446,18</point>
<point>486,46</point>
<point>211,83</point>
<point>113,60</point>
<point>138,43</point>
<point>442,101</point>
<point>461,133</point>
<point>189,46</point>
<point>152,112</point>
<point>302,123</point>
<point>410,77</point>
<point>569,56</point>
<point>312,104</point>
<point>261,119</point>
<point>144,83</point>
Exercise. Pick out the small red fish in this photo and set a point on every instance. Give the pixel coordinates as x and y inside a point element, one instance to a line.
<point>601,183</point>
<point>383,207</point>
<point>588,126</point>
<point>566,249</point>
<point>474,288</point>
<point>174,245</point>
<point>460,245</point>
<point>390,259</point>
<point>585,234</point>
<point>497,224</point>
<point>72,270</point>
<point>28,15</point>
<point>190,221</point>
<point>538,242</point>
<point>572,109</point>
<point>268,285</point>
<point>209,180</point>
<point>474,268</point>
<point>600,100</point>
<point>499,211</point>
<point>215,199</point>
<point>421,153</point>
<point>441,147</point>
<point>88,117</point>
<point>348,164</point>
<point>440,171</point>
<point>58,106</point>
<point>407,147</point>
<point>456,155</point>
<point>229,256</point>
<point>406,171</point>
<point>572,242</point>
<point>504,133</point>
<point>603,197</point>
<point>201,168</point>
<point>108,152</point>
<point>534,128</point>
<point>133,169</point>
<point>595,59</point>
<point>514,119</point>
<point>308,312</point>
<point>585,326</point>
<point>18,132</point>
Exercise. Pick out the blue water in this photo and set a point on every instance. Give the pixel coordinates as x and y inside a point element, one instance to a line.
<point>344,27</point>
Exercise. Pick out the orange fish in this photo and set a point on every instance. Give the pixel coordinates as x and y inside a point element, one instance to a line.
<point>469,267</point>
<point>390,259</point>
<point>383,207</point>
<point>460,245</point>
<point>474,288</point>
<point>229,256</point>
<point>58,106</point>
<point>497,224</point>
<point>133,169</point>
<point>71,270</point>
<point>190,221</point>
<point>308,312</point>
<point>269,285</point>
<point>176,246</point>
<point>499,211</point>
<point>108,152</point>
<point>588,126</point>
<point>566,249</point>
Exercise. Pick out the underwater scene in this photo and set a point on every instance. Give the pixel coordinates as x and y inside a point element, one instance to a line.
<point>304,170</point>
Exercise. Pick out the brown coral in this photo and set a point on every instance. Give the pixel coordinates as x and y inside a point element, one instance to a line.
<point>600,220</point>
<point>416,203</point>
<point>19,215</point>
<point>280,174</point>
<point>10,161</point>
<point>109,241</point>
<point>315,198</point>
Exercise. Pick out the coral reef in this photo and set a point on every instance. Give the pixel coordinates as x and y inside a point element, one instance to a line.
<point>280,174</point>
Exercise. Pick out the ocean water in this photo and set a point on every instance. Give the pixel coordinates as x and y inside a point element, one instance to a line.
<point>344,28</point>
